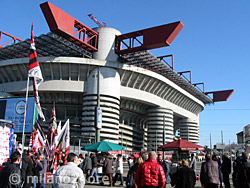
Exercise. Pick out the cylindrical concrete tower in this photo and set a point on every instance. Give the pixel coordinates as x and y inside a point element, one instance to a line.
<point>109,102</point>
<point>156,124</point>
<point>189,130</point>
<point>106,44</point>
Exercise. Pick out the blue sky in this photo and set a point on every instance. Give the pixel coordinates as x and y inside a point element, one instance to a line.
<point>214,44</point>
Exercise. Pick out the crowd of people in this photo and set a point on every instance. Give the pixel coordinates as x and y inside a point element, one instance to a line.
<point>146,171</point>
<point>26,171</point>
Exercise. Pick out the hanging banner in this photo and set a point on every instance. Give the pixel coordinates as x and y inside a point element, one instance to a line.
<point>98,117</point>
<point>5,143</point>
<point>14,111</point>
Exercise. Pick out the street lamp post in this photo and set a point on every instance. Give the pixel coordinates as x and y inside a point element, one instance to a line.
<point>98,105</point>
<point>143,137</point>
<point>156,141</point>
<point>164,136</point>
<point>79,146</point>
<point>210,144</point>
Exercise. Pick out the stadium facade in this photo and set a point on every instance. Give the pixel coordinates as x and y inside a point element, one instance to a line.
<point>141,96</point>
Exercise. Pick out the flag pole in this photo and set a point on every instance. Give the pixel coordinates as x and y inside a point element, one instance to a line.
<point>25,110</point>
<point>24,117</point>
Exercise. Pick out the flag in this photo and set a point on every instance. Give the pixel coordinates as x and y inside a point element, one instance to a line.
<point>52,139</point>
<point>52,133</point>
<point>38,141</point>
<point>32,138</point>
<point>11,141</point>
<point>58,130</point>
<point>61,145</point>
<point>64,140</point>
<point>57,157</point>
<point>35,73</point>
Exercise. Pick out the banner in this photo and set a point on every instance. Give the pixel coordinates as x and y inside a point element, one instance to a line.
<point>5,133</point>
<point>14,111</point>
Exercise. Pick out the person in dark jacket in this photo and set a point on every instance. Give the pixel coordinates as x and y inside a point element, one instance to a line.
<point>130,182</point>
<point>236,169</point>
<point>24,166</point>
<point>241,174</point>
<point>94,167</point>
<point>226,170</point>
<point>107,168</point>
<point>10,175</point>
<point>186,176</point>
<point>29,171</point>
<point>165,167</point>
<point>87,165</point>
<point>175,173</point>
<point>209,175</point>
<point>40,171</point>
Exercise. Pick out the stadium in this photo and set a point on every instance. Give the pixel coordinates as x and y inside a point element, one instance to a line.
<point>141,97</point>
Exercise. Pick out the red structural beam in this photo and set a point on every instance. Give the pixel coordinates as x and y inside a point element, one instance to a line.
<point>203,88</point>
<point>190,75</point>
<point>13,38</point>
<point>172,62</point>
<point>69,28</point>
<point>220,95</point>
<point>154,37</point>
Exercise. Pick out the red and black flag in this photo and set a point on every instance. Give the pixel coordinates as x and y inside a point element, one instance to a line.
<point>52,128</point>
<point>38,139</point>
<point>35,73</point>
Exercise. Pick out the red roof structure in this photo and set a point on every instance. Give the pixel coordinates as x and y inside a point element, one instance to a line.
<point>182,145</point>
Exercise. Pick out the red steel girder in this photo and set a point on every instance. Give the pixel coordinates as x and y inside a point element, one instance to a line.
<point>172,62</point>
<point>190,75</point>
<point>203,88</point>
<point>68,27</point>
<point>154,37</point>
<point>13,38</point>
<point>221,95</point>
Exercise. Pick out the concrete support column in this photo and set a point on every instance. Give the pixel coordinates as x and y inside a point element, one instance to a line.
<point>106,44</point>
<point>156,124</point>
<point>189,130</point>
<point>109,102</point>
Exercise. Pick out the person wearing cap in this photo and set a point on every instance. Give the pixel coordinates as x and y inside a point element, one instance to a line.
<point>107,168</point>
<point>130,161</point>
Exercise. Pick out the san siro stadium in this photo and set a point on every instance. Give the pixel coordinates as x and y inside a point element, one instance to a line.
<point>141,96</point>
